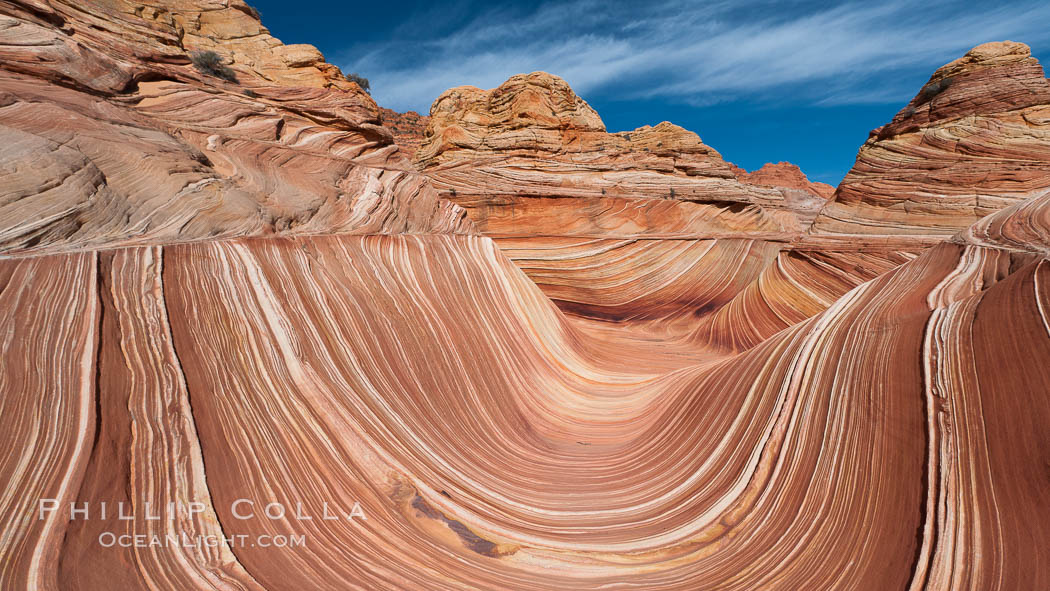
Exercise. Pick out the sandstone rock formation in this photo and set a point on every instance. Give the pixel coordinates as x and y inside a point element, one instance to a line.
<point>407,128</point>
<point>525,154</point>
<point>972,141</point>
<point>783,174</point>
<point>815,412</point>
<point>532,165</point>
<point>139,146</point>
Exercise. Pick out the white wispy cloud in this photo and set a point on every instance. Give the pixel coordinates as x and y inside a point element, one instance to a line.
<point>691,52</point>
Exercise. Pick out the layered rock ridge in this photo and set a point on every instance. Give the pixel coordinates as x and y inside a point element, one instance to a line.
<point>975,139</point>
<point>522,156</point>
<point>138,146</point>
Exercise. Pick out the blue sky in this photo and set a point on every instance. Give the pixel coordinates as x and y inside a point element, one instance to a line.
<point>759,81</point>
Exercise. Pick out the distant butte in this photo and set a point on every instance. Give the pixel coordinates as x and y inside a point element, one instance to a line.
<point>408,129</point>
<point>783,174</point>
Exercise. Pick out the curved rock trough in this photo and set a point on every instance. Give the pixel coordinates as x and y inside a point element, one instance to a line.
<point>540,356</point>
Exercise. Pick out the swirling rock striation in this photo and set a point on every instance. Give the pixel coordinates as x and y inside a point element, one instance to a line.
<point>797,415</point>
<point>489,445</point>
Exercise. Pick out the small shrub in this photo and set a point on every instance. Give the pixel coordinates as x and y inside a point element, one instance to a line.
<point>253,12</point>
<point>908,112</point>
<point>251,93</point>
<point>361,81</point>
<point>210,64</point>
<point>932,89</point>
